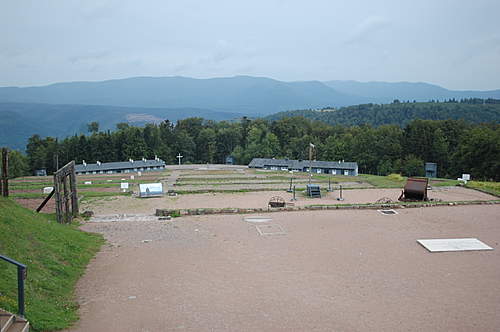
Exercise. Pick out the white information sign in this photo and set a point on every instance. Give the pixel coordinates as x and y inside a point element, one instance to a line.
<point>150,189</point>
<point>466,177</point>
<point>124,185</point>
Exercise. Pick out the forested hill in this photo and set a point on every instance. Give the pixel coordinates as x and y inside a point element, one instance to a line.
<point>401,113</point>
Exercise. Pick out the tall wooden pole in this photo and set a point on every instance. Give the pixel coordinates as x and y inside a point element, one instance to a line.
<point>67,215</point>
<point>5,172</point>
<point>57,190</point>
<point>72,185</point>
<point>310,162</point>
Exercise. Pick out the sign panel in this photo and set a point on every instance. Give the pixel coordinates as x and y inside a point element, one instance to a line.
<point>466,177</point>
<point>150,189</point>
<point>124,185</point>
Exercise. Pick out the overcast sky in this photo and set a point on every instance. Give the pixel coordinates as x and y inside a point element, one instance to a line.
<point>455,44</point>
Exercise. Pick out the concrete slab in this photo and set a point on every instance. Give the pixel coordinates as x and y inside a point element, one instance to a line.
<point>440,245</point>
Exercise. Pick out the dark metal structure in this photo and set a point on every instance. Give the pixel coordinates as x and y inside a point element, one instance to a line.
<point>21,276</point>
<point>313,191</point>
<point>276,201</point>
<point>415,189</point>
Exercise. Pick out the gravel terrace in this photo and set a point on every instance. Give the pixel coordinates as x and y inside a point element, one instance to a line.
<point>124,204</point>
<point>343,270</point>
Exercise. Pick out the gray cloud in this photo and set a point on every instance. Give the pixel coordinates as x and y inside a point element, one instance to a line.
<point>367,29</point>
<point>456,46</point>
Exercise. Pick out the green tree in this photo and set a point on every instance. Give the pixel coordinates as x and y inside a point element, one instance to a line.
<point>93,127</point>
<point>18,164</point>
<point>413,166</point>
<point>479,153</point>
<point>122,125</point>
<point>206,144</point>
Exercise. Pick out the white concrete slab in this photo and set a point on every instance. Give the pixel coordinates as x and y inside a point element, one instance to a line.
<point>273,229</point>
<point>440,245</point>
<point>257,219</point>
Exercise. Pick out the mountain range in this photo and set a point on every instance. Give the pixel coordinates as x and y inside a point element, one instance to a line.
<point>63,109</point>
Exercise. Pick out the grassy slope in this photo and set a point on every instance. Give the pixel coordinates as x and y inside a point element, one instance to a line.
<point>488,187</point>
<point>56,256</point>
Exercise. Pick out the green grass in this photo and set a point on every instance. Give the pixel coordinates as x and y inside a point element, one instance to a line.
<point>226,179</point>
<point>443,182</point>
<point>93,195</point>
<point>56,256</point>
<point>390,181</point>
<point>83,194</point>
<point>488,187</point>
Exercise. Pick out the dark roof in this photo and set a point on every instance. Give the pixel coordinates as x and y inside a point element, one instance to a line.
<point>300,164</point>
<point>119,165</point>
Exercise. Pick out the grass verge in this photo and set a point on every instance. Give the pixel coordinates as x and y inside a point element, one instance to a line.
<point>56,256</point>
<point>487,187</point>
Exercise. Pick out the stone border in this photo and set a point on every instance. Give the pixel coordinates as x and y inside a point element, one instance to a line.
<point>207,211</point>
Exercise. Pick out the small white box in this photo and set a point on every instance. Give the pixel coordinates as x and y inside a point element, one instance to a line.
<point>47,190</point>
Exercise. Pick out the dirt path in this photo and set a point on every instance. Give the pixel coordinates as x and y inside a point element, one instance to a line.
<point>329,271</point>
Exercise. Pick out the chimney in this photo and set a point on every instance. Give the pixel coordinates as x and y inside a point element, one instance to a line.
<point>84,163</point>
<point>98,163</point>
<point>131,160</point>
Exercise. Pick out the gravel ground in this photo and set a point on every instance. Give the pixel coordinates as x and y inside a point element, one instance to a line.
<point>255,185</point>
<point>126,204</point>
<point>344,270</point>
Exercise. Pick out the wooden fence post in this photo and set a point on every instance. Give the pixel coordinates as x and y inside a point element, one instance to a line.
<point>5,172</point>
<point>72,186</point>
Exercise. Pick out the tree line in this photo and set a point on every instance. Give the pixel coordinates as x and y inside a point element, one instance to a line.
<point>473,110</point>
<point>455,145</point>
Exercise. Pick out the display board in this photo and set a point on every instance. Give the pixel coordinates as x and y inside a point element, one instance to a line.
<point>150,189</point>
